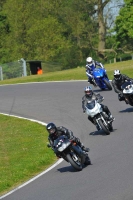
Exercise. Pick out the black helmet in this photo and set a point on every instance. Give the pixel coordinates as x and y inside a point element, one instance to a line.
<point>117,75</point>
<point>51,128</point>
<point>88,91</point>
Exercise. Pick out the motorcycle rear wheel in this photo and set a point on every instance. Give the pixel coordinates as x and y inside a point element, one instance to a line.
<point>87,161</point>
<point>74,164</point>
<point>108,84</point>
<point>104,127</point>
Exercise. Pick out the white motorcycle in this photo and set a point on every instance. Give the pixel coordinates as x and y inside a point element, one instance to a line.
<point>100,118</point>
<point>127,88</point>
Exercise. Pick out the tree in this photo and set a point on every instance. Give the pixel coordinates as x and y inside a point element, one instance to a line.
<point>4,30</point>
<point>103,14</point>
<point>35,33</point>
<point>61,31</point>
<point>124,27</point>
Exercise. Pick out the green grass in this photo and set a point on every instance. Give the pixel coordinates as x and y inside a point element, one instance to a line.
<point>72,74</point>
<point>23,150</point>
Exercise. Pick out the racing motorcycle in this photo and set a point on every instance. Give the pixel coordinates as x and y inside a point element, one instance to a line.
<point>127,88</point>
<point>70,152</point>
<point>101,79</point>
<point>100,118</point>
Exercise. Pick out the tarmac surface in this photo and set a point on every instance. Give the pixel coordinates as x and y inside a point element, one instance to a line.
<point>110,177</point>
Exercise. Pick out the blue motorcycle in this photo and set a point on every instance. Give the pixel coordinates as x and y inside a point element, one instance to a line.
<point>101,79</point>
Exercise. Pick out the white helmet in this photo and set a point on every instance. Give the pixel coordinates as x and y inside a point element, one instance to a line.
<point>89,61</point>
<point>117,74</point>
<point>88,91</point>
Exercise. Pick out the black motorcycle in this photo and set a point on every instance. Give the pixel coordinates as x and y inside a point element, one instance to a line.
<point>71,152</point>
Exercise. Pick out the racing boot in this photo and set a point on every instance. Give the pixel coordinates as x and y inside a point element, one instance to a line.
<point>84,148</point>
<point>81,145</point>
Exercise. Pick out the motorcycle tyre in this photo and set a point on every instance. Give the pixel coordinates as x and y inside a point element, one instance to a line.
<point>87,161</point>
<point>130,102</point>
<point>108,84</point>
<point>111,127</point>
<point>104,128</point>
<point>73,163</point>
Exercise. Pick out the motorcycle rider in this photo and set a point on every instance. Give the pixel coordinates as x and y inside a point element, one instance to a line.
<point>90,95</point>
<point>117,82</point>
<point>90,66</point>
<point>55,132</point>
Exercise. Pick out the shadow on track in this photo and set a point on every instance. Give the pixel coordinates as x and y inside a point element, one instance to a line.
<point>99,90</point>
<point>127,110</point>
<point>95,133</point>
<point>70,169</point>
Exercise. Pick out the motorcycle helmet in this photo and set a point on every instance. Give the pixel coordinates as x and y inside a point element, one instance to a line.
<point>88,91</point>
<point>117,75</point>
<point>51,128</point>
<point>89,61</point>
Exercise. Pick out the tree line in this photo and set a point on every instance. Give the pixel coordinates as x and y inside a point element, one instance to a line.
<point>65,31</point>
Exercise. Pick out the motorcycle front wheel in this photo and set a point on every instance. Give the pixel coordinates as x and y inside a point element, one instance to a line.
<point>104,127</point>
<point>74,161</point>
<point>111,127</point>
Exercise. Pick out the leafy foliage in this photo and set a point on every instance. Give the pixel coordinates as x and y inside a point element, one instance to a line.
<point>124,26</point>
<point>57,31</point>
<point>47,30</point>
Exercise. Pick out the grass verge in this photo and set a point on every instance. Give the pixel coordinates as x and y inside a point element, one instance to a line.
<point>23,151</point>
<point>72,74</point>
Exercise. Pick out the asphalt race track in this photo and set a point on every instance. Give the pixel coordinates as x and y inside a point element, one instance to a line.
<point>110,177</point>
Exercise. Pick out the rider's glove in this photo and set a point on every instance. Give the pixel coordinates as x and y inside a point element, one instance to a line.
<point>58,156</point>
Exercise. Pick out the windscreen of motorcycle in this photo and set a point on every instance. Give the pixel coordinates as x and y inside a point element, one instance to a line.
<point>93,108</point>
<point>90,104</point>
<point>127,88</point>
<point>61,143</point>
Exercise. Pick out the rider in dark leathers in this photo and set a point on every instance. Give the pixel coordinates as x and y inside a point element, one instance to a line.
<point>55,132</point>
<point>117,82</point>
<point>90,95</point>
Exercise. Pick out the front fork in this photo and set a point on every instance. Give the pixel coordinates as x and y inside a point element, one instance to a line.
<point>102,118</point>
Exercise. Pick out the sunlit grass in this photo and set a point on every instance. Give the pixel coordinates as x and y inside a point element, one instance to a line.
<point>72,74</point>
<point>23,151</point>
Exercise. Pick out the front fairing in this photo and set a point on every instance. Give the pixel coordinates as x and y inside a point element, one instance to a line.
<point>93,108</point>
<point>98,72</point>
<point>127,88</point>
<point>100,75</point>
<point>61,143</point>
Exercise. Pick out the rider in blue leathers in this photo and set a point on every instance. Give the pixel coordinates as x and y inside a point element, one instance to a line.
<point>90,66</point>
